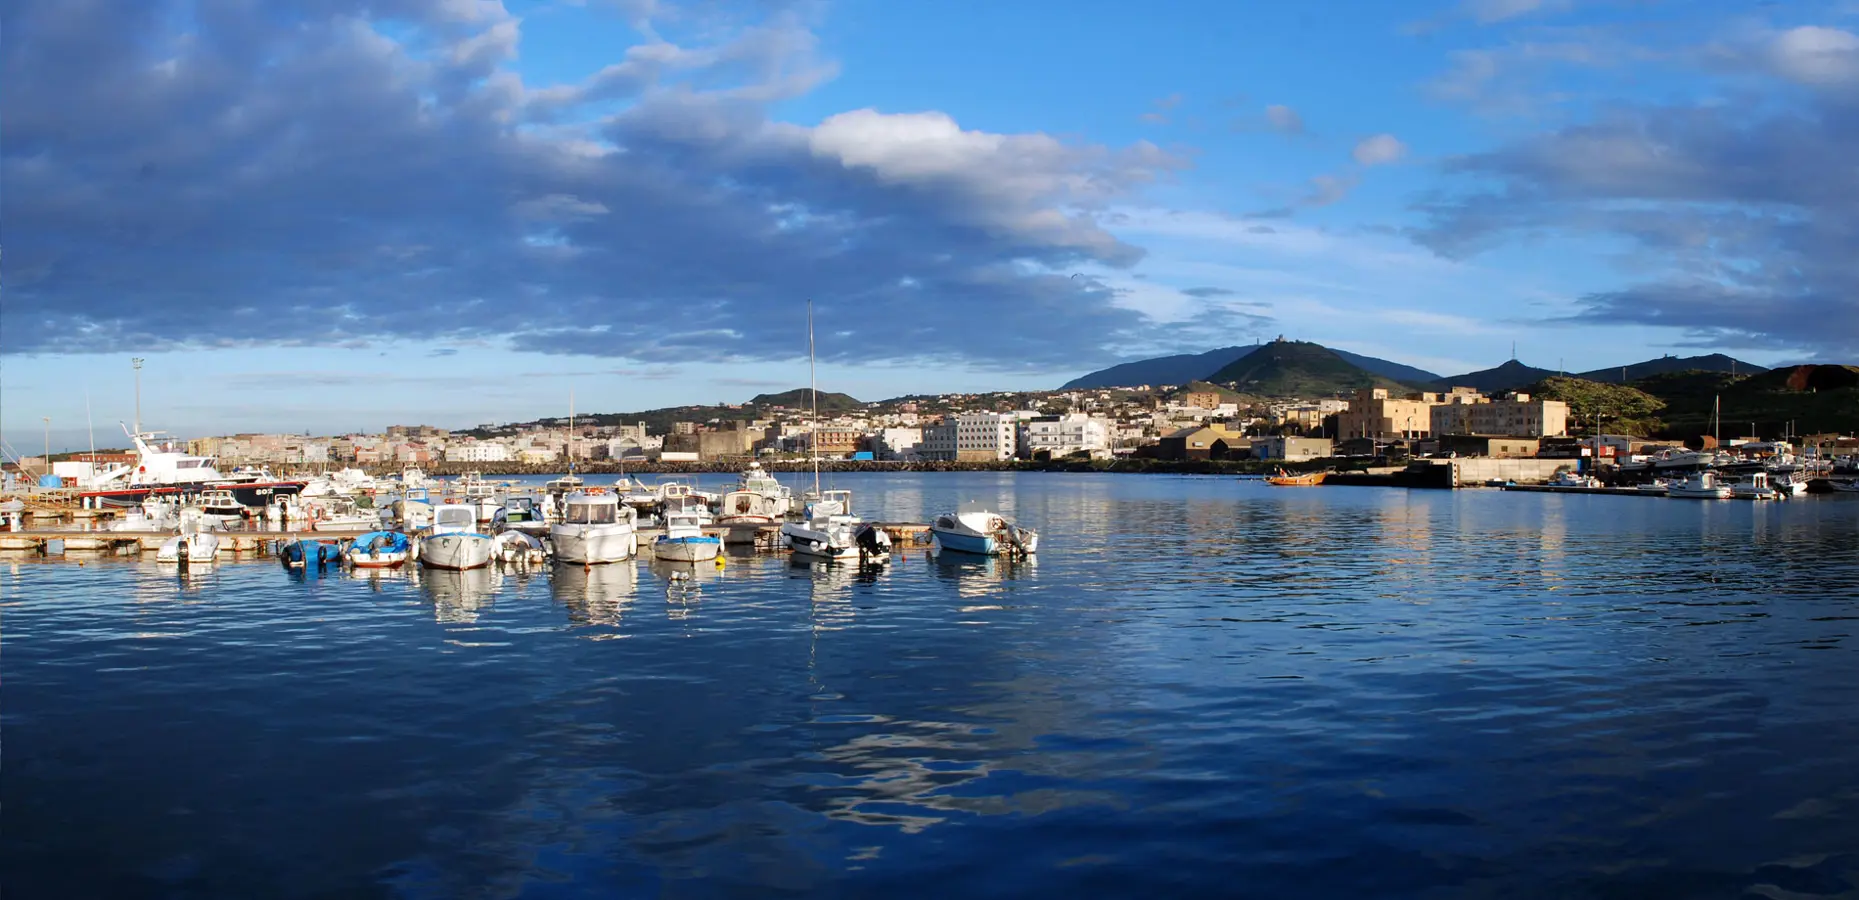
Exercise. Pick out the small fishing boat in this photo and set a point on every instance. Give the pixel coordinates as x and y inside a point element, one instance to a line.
<point>222,506</point>
<point>976,529</point>
<point>1305,479</point>
<point>684,540</point>
<point>594,528</point>
<point>453,541</point>
<point>339,514</point>
<point>521,512</point>
<point>379,550</point>
<point>1570,479</point>
<point>1700,486</point>
<point>1754,486</point>
<point>519,548</point>
<point>568,483</point>
<point>757,498</point>
<point>1844,486</point>
<point>307,552</point>
<point>1652,487</point>
<point>189,547</point>
<point>828,530</point>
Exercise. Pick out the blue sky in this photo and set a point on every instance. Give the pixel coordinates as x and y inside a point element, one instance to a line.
<point>338,215</point>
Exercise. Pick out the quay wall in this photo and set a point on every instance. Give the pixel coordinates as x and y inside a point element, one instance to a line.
<point>1522,471</point>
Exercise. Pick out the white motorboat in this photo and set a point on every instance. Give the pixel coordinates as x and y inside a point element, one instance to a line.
<point>1570,479</point>
<point>413,511</point>
<point>453,541</point>
<point>828,530</point>
<point>221,506</point>
<point>287,512</point>
<point>684,540</point>
<point>190,546</point>
<point>1792,483</point>
<point>635,493</point>
<point>594,528</point>
<point>566,484</point>
<point>521,512</point>
<point>519,548</point>
<point>1844,486</point>
<point>1652,487</point>
<point>692,506</point>
<point>1700,486</point>
<point>1754,486</point>
<point>756,499</point>
<point>976,529</point>
<point>339,514</point>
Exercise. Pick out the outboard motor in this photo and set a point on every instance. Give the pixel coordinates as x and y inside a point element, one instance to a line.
<point>872,541</point>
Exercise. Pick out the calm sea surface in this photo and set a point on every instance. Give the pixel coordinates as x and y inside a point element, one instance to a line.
<point>1202,687</point>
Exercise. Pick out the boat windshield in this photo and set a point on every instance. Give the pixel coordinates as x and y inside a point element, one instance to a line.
<point>454,515</point>
<point>592,514</point>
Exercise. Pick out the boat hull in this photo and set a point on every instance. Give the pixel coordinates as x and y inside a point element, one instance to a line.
<point>456,551</point>
<point>594,544</point>
<point>254,494</point>
<point>1680,493</point>
<point>963,542</point>
<point>687,549</point>
<point>297,554</point>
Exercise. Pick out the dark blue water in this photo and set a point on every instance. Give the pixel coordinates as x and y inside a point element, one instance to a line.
<point>1201,688</point>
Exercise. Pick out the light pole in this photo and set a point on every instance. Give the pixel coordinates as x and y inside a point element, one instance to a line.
<point>135,362</point>
<point>48,442</point>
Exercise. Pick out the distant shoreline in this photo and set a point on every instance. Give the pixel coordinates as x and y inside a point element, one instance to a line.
<point>731,467</point>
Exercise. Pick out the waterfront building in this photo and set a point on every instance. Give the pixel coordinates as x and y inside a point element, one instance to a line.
<point>1292,449</point>
<point>477,452</point>
<point>1205,442</point>
<point>1516,415</point>
<point>972,437</point>
<point>1374,413</point>
<point>897,443</point>
<point>1067,434</point>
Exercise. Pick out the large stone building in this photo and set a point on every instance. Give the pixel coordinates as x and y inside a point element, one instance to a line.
<point>1209,442</point>
<point>1516,415</point>
<point>1373,413</point>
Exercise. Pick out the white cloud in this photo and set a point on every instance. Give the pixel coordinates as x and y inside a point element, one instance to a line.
<point>1486,12</point>
<point>1379,150</point>
<point>1813,54</point>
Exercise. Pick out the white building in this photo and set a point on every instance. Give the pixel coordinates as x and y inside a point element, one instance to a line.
<point>897,443</point>
<point>1068,434</point>
<point>478,452</point>
<point>971,437</point>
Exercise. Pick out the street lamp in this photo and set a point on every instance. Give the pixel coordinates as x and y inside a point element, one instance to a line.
<point>48,442</point>
<point>135,362</point>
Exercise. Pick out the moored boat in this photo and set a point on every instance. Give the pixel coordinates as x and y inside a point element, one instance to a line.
<point>1304,479</point>
<point>594,529</point>
<point>453,542</point>
<point>684,540</point>
<point>307,552</point>
<point>976,529</point>
<point>519,548</point>
<point>1700,486</point>
<point>378,550</point>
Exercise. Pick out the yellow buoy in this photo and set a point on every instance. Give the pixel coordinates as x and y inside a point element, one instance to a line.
<point>719,561</point>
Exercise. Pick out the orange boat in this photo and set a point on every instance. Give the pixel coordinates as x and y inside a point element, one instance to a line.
<point>1286,479</point>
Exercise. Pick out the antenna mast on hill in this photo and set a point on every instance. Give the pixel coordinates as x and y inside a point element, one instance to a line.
<point>1513,351</point>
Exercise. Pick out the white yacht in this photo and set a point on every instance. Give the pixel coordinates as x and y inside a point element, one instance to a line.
<point>829,530</point>
<point>594,528</point>
<point>1754,486</point>
<point>756,499</point>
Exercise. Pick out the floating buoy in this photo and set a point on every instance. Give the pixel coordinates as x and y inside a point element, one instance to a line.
<point>719,561</point>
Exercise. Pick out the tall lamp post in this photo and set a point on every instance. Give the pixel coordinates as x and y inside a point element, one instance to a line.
<point>48,442</point>
<point>135,362</point>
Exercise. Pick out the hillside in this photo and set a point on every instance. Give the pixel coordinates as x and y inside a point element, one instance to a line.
<point>1183,368</point>
<point>1297,369</point>
<point>1714,362</point>
<point>798,399</point>
<point>1179,369</point>
<point>1797,399</point>
<point>1510,376</point>
<point>1386,369</point>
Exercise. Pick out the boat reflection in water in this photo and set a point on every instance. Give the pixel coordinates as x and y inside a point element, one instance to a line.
<point>378,578</point>
<point>595,595</point>
<point>982,575</point>
<point>458,596</point>
<point>684,583</point>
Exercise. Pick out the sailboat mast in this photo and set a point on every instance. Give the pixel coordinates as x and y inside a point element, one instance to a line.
<point>571,431</point>
<point>813,390</point>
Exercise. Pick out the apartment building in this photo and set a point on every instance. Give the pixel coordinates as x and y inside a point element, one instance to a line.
<point>1068,434</point>
<point>971,437</point>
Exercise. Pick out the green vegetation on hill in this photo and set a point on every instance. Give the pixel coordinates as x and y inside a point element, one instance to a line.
<point>1297,369</point>
<point>1622,409</point>
<point>798,399</point>
<point>1227,395</point>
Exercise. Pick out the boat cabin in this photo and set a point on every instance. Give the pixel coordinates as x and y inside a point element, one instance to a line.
<point>592,509</point>
<point>453,517</point>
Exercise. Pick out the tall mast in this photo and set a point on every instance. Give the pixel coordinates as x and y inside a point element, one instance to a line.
<point>571,432</point>
<point>813,389</point>
<point>135,362</point>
